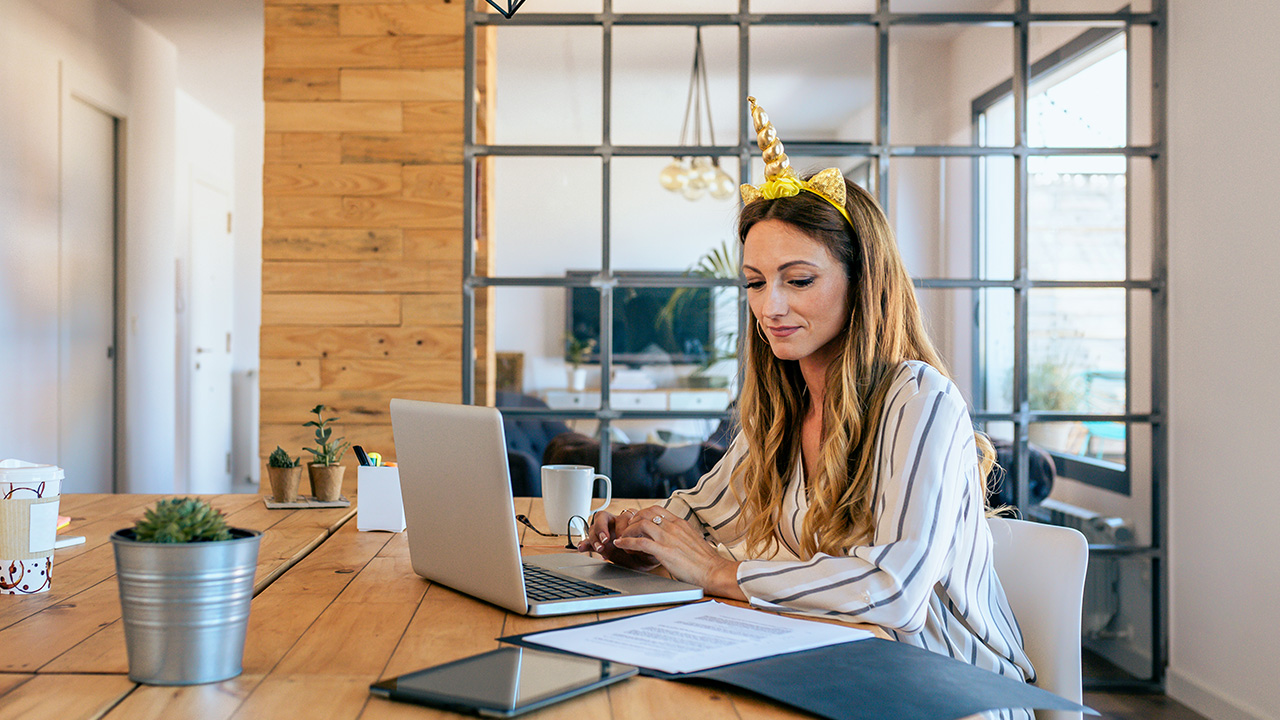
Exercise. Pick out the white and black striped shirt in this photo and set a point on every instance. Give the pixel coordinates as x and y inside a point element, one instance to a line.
<point>926,576</point>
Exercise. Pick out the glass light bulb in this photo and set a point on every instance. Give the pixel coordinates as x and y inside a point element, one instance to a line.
<point>723,186</point>
<point>674,176</point>
<point>708,172</point>
<point>696,180</point>
<point>694,190</point>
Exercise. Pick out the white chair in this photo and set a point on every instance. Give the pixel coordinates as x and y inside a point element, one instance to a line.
<point>1042,570</point>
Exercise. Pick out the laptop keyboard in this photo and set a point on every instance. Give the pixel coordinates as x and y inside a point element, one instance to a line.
<point>541,585</point>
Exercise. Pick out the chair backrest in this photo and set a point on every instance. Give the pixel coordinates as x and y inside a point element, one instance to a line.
<point>1042,570</point>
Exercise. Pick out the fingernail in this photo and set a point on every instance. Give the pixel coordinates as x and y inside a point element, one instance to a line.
<point>598,547</point>
<point>604,537</point>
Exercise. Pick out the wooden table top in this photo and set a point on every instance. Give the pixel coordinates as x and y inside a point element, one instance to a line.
<point>335,610</point>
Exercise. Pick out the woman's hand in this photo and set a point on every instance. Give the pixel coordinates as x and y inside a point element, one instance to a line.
<point>605,529</point>
<point>680,548</point>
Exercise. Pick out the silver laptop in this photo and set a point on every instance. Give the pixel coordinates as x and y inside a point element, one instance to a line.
<point>462,529</point>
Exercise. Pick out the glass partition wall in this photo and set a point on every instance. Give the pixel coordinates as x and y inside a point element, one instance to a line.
<point>1016,145</point>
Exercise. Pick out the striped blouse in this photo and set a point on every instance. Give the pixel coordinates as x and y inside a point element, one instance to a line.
<point>926,576</point>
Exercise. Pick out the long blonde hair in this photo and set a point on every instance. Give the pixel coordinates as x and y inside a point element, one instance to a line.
<point>884,330</point>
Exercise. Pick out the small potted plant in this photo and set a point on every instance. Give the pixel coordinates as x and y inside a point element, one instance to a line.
<point>284,472</point>
<point>186,581</point>
<point>326,470</point>
<point>576,351</point>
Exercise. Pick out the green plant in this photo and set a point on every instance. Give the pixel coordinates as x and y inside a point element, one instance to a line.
<point>327,450</point>
<point>718,262</point>
<point>280,459</point>
<point>576,350</point>
<point>182,520</point>
<point>1054,386</point>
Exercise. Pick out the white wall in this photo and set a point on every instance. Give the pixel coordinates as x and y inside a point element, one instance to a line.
<point>205,153</point>
<point>1225,339</point>
<point>104,51</point>
<point>246,230</point>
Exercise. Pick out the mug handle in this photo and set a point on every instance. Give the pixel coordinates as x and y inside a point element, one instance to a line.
<point>608,493</point>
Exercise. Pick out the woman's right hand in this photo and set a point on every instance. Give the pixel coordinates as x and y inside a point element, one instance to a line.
<point>605,528</point>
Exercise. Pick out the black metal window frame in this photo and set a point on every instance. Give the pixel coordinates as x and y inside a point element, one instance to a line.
<point>1098,473</point>
<point>882,152</point>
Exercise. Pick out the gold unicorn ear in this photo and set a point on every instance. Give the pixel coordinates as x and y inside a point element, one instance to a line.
<point>830,182</point>
<point>750,193</point>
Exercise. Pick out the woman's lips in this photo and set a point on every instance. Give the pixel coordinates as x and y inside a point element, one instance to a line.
<point>783,331</point>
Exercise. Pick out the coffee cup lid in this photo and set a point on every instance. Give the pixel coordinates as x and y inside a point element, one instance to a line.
<point>21,471</point>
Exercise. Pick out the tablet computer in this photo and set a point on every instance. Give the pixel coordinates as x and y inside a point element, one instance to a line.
<point>503,682</point>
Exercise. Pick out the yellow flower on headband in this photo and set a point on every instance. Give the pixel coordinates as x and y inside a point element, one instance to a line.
<point>780,187</point>
<point>780,180</point>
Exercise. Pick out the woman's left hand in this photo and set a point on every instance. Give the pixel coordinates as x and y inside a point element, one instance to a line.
<point>682,551</point>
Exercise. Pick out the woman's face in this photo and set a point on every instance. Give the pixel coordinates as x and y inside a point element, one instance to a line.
<point>798,292</point>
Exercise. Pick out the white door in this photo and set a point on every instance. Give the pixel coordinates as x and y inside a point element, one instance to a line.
<point>87,300</point>
<point>210,359</point>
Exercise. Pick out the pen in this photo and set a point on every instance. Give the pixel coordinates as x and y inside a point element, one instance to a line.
<point>375,459</point>
<point>360,455</point>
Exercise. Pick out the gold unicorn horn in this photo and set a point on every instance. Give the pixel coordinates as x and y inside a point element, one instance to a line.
<point>776,163</point>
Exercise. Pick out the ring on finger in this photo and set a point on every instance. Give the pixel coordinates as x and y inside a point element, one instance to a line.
<point>657,519</point>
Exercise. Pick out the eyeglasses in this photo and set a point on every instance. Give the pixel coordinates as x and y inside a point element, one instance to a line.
<point>568,531</point>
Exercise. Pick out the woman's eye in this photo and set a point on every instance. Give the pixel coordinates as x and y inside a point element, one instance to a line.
<point>754,284</point>
<point>802,282</point>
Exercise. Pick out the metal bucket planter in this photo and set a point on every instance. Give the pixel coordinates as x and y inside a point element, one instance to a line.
<point>185,606</point>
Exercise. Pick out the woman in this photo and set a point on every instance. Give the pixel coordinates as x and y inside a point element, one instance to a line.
<point>856,488</point>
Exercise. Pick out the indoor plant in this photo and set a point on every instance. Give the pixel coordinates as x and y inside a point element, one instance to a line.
<point>325,470</point>
<point>186,581</point>
<point>721,363</point>
<point>1053,385</point>
<point>284,472</point>
<point>576,351</point>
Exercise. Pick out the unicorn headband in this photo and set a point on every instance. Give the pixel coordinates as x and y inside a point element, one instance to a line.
<point>780,180</point>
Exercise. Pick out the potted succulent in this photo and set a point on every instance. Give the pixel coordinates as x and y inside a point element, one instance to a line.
<point>284,472</point>
<point>576,351</point>
<point>186,581</point>
<point>326,470</point>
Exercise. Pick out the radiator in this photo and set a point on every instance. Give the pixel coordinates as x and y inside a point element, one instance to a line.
<point>1102,580</point>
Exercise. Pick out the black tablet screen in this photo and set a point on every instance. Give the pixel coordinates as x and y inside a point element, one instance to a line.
<point>504,680</point>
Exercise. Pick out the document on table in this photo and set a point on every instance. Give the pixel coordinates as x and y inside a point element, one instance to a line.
<point>695,637</point>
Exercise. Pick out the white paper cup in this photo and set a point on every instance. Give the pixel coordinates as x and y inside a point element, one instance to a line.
<point>28,525</point>
<point>566,492</point>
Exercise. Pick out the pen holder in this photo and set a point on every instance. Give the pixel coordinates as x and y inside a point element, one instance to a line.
<point>28,525</point>
<point>379,505</point>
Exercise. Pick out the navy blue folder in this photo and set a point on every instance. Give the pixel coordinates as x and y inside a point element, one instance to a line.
<point>871,680</point>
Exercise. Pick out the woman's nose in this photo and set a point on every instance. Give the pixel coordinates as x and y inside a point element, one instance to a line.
<point>775,303</point>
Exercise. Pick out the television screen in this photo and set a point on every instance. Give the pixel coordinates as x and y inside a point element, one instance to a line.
<point>643,334</point>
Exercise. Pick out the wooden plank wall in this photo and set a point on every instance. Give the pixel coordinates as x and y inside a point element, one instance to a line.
<point>362,214</point>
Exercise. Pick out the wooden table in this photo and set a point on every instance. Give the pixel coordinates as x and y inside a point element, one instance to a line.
<point>335,610</point>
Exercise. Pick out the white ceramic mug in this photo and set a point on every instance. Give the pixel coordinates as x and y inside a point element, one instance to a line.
<point>566,491</point>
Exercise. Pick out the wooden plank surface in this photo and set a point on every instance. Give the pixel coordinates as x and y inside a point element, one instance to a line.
<point>342,615</point>
<point>75,627</point>
<point>64,697</point>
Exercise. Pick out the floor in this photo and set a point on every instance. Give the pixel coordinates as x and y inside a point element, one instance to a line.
<point>1118,706</point>
<point>1129,706</point>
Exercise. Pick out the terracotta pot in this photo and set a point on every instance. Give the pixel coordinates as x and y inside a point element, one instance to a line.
<point>284,483</point>
<point>326,481</point>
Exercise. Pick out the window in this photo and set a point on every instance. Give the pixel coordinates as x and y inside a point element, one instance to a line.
<point>1077,325</point>
<point>1016,146</point>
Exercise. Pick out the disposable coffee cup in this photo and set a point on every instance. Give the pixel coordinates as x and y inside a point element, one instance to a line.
<point>29,495</point>
<point>566,493</point>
